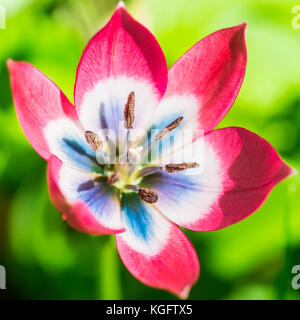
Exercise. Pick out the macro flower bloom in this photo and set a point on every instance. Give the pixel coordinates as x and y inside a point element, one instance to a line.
<point>122,77</point>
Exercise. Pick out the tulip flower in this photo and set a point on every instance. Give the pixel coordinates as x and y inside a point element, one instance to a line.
<point>123,78</point>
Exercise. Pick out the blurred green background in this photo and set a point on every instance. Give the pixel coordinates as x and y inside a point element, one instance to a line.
<point>45,259</point>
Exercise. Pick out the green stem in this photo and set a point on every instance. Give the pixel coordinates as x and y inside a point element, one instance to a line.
<point>109,282</point>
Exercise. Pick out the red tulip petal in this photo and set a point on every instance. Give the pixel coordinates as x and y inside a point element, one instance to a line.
<point>155,250</point>
<point>204,83</point>
<point>122,57</point>
<point>237,170</point>
<point>38,101</point>
<point>72,194</point>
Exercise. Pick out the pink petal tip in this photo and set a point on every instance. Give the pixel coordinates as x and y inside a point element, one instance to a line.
<point>294,172</point>
<point>184,294</point>
<point>121,4</point>
<point>9,62</point>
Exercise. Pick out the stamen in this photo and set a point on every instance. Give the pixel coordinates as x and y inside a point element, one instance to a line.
<point>93,140</point>
<point>116,176</point>
<point>173,125</point>
<point>147,195</point>
<point>176,167</point>
<point>129,111</point>
<point>149,170</point>
<point>132,187</point>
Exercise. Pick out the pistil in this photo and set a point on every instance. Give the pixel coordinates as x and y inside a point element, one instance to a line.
<point>123,172</point>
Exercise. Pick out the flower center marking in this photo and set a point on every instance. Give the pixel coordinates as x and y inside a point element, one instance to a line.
<point>123,176</point>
